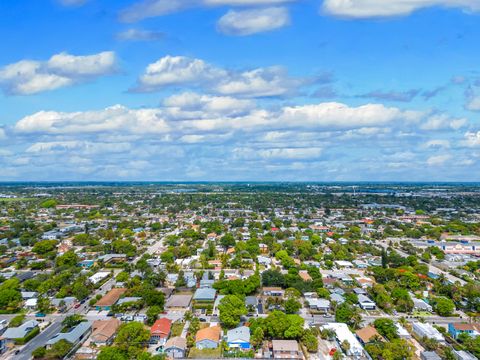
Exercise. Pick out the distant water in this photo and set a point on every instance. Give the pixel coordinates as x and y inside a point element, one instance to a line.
<point>365,186</point>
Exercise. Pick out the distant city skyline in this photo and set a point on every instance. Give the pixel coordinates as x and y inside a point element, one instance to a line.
<point>240,90</point>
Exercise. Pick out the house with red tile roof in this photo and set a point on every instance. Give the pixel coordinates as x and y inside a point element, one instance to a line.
<point>160,330</point>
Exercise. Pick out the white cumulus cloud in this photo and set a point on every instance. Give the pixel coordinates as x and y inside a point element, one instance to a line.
<point>176,70</point>
<point>29,77</point>
<point>191,72</point>
<point>248,22</point>
<point>438,160</point>
<point>472,139</point>
<point>140,35</point>
<point>335,115</point>
<point>152,8</point>
<point>442,122</point>
<point>386,8</point>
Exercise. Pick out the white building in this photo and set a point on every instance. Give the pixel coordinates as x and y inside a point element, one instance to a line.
<point>402,332</point>
<point>99,276</point>
<point>427,330</point>
<point>366,303</point>
<point>342,333</point>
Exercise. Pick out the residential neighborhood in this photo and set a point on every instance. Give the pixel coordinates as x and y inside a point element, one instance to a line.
<point>218,271</point>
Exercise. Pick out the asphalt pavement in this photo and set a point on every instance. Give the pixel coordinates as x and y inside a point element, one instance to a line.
<point>40,339</point>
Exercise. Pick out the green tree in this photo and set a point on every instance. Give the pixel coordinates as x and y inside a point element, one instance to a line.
<point>386,328</point>
<point>231,309</point>
<point>48,204</point>
<point>45,246</point>
<point>39,353</point>
<point>67,259</point>
<point>348,314</point>
<point>72,320</point>
<point>444,306</point>
<point>10,299</point>
<point>59,349</point>
<point>292,306</point>
<point>17,321</point>
<point>273,278</point>
<point>152,314</point>
<point>132,338</point>
<point>111,353</point>
<point>227,240</point>
<point>257,337</point>
<point>154,297</point>
<point>310,341</point>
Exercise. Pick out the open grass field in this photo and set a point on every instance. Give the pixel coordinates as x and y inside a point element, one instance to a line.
<point>11,200</point>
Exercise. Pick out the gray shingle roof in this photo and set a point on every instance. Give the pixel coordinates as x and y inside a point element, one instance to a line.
<point>73,335</point>
<point>241,333</point>
<point>21,331</point>
<point>205,294</point>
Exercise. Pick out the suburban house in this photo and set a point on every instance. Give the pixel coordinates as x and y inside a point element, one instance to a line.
<point>74,336</point>
<point>427,330</point>
<point>304,275</point>
<point>366,303</point>
<point>109,299</point>
<point>205,295</point>
<point>103,331</point>
<point>368,334</point>
<point>208,338</point>
<point>175,347</point>
<point>239,338</point>
<point>98,277</point>
<point>20,332</point>
<point>455,329</point>
<point>429,355</point>
<point>160,331</point>
<point>464,355</point>
<point>286,349</point>
<point>31,304</point>
<point>273,291</point>
<point>420,305</point>
<point>339,299</point>
<point>206,283</point>
<point>178,302</point>
<point>343,333</point>
<point>64,303</point>
<point>322,305</point>
<point>402,332</point>
<point>111,258</point>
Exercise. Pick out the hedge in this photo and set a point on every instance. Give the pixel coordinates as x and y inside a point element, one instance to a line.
<point>28,337</point>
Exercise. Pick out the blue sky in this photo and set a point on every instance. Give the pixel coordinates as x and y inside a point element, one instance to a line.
<point>240,90</point>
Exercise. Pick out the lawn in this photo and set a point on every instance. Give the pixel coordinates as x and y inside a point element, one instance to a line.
<point>15,199</point>
<point>421,313</point>
<point>205,353</point>
<point>177,328</point>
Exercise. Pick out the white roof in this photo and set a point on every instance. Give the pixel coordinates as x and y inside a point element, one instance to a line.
<point>365,299</point>
<point>402,332</point>
<point>343,263</point>
<point>344,334</point>
<point>99,276</point>
<point>428,330</point>
<point>319,303</point>
<point>31,302</point>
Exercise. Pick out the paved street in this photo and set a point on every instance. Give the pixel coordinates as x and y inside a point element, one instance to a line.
<point>40,339</point>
